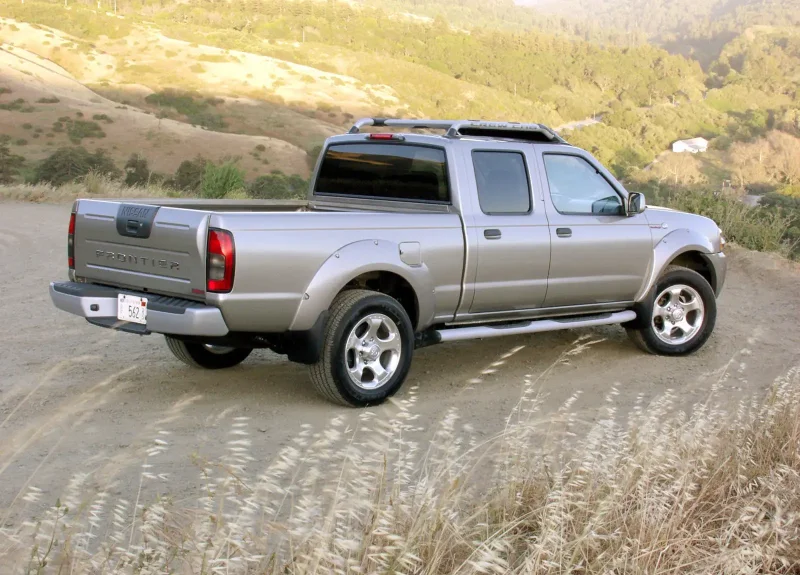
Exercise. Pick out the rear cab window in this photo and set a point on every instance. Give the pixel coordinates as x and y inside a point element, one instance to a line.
<point>503,182</point>
<point>385,171</point>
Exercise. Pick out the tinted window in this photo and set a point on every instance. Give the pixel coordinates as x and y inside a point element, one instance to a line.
<point>576,187</point>
<point>385,171</point>
<point>503,186</point>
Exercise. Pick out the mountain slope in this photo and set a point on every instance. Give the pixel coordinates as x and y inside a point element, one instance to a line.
<point>57,110</point>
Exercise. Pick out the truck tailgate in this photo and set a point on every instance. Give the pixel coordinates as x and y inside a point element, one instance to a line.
<point>140,246</point>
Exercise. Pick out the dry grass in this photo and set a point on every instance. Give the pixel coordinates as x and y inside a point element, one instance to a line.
<point>660,491</point>
<point>90,186</point>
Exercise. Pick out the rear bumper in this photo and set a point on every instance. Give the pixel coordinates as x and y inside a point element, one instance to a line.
<point>167,315</point>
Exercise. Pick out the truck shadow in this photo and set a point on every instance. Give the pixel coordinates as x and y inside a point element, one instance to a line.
<point>268,379</point>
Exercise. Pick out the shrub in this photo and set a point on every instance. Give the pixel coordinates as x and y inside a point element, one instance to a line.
<point>208,120</point>
<point>80,129</point>
<point>52,100</point>
<point>79,114</point>
<point>754,228</point>
<point>278,187</point>
<point>137,171</point>
<point>68,164</point>
<point>189,175</point>
<point>27,126</point>
<point>102,118</point>
<point>219,181</point>
<point>190,105</point>
<point>21,142</point>
<point>4,90</point>
<point>261,148</point>
<point>17,105</point>
<point>197,68</point>
<point>10,164</point>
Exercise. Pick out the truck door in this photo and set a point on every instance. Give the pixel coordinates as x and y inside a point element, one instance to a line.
<point>598,253</point>
<point>513,241</point>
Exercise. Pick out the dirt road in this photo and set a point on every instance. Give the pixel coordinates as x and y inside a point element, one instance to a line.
<point>79,399</point>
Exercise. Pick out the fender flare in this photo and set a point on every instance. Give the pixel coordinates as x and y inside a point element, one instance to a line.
<point>353,260</point>
<point>671,246</point>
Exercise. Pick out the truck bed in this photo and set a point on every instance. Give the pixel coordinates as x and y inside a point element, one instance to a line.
<point>160,247</point>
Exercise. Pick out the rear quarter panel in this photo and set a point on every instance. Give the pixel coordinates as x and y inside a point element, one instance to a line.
<point>288,272</point>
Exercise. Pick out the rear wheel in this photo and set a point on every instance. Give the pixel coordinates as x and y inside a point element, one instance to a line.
<point>679,315</point>
<point>207,356</point>
<point>366,353</point>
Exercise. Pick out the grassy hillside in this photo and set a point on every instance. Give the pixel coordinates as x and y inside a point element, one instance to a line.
<point>176,80</point>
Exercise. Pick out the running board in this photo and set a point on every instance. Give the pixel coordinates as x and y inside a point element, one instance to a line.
<point>534,326</point>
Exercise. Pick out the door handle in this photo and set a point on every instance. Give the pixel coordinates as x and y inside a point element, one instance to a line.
<point>564,232</point>
<point>492,234</point>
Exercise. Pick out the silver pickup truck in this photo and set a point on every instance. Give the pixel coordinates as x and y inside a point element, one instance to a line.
<point>446,231</point>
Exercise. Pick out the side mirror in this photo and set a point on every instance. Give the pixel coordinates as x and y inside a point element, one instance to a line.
<point>636,203</point>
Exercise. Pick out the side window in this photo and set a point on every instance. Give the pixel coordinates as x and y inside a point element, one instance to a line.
<point>503,184</point>
<point>576,187</point>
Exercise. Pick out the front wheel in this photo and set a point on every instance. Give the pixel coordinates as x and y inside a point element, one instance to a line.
<point>367,348</point>
<point>679,315</point>
<point>207,356</point>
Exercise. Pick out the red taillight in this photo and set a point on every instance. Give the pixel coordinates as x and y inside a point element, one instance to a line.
<point>220,261</point>
<point>71,242</point>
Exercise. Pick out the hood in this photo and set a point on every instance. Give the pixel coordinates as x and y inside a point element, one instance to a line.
<point>664,221</point>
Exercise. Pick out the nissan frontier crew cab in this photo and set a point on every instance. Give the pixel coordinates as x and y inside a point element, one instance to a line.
<point>446,231</point>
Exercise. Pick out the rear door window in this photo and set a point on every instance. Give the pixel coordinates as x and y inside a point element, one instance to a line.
<point>384,171</point>
<point>503,184</point>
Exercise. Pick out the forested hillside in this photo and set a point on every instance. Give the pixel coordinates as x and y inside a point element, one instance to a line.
<point>297,70</point>
<point>695,28</point>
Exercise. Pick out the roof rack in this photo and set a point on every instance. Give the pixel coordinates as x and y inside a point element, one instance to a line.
<point>458,128</point>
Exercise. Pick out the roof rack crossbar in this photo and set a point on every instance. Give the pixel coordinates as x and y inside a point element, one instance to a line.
<point>392,123</point>
<point>453,127</point>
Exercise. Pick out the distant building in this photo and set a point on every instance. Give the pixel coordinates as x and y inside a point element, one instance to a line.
<point>692,146</point>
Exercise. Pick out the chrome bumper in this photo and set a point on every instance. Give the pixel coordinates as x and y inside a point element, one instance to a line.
<point>167,315</point>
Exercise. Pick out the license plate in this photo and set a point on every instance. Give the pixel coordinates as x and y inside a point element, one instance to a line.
<point>132,308</point>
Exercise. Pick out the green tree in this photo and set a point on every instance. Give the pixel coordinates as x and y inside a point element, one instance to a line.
<point>189,175</point>
<point>137,171</point>
<point>9,164</point>
<point>68,164</point>
<point>278,186</point>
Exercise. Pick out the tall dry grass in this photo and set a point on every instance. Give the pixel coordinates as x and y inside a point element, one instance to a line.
<point>90,186</point>
<point>656,491</point>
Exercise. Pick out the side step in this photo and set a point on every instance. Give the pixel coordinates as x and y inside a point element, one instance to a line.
<point>533,326</point>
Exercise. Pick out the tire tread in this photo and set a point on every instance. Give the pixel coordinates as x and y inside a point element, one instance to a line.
<point>178,349</point>
<point>181,350</point>
<point>637,334</point>
<point>321,372</point>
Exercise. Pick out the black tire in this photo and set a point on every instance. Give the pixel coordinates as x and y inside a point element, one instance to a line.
<point>643,330</point>
<point>330,375</point>
<point>199,356</point>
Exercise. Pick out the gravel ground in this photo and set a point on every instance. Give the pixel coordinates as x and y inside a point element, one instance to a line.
<point>76,398</point>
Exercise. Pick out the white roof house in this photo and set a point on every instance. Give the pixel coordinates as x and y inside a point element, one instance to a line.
<point>692,146</point>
